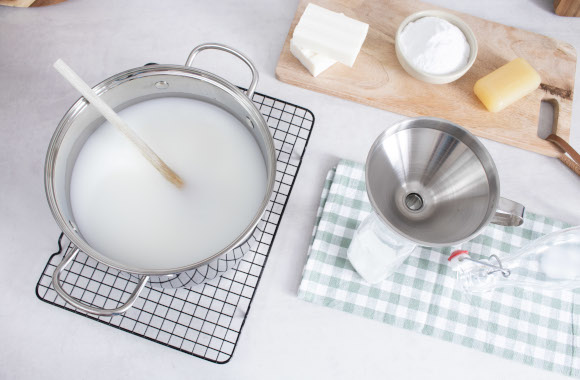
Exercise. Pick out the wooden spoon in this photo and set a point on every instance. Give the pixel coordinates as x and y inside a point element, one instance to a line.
<point>116,120</point>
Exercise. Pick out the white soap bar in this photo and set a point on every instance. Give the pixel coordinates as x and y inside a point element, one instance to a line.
<point>314,62</point>
<point>331,34</point>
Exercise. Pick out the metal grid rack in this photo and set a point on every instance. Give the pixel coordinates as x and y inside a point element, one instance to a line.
<point>205,320</point>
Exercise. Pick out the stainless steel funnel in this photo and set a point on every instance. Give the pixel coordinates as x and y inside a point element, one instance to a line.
<point>434,183</point>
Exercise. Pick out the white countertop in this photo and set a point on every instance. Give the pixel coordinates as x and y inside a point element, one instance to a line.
<point>284,337</point>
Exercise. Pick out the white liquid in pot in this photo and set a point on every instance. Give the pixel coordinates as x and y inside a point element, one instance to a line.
<point>127,211</point>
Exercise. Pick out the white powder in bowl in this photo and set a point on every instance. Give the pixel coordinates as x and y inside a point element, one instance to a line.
<point>434,45</point>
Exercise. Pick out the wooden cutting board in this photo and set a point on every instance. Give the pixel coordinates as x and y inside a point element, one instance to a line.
<point>377,79</point>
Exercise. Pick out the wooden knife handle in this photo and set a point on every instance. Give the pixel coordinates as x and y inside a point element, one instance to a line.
<point>573,162</point>
<point>570,163</point>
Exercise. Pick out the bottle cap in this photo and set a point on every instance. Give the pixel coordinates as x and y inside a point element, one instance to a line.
<point>456,258</point>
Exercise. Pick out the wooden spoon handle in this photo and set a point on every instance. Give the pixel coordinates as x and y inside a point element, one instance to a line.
<point>116,121</point>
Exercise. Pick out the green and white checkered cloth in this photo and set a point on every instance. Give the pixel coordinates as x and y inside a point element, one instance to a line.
<point>536,328</point>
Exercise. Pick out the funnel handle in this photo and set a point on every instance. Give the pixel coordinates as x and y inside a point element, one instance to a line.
<point>508,213</point>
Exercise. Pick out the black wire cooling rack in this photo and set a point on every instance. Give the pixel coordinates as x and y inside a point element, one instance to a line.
<point>205,320</point>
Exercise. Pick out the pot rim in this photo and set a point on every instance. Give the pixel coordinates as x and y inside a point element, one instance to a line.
<point>116,80</point>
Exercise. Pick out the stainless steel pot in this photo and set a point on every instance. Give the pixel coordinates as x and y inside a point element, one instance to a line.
<point>123,90</point>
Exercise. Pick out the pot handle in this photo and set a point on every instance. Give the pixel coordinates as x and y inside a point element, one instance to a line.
<point>90,309</point>
<point>508,213</point>
<point>196,50</point>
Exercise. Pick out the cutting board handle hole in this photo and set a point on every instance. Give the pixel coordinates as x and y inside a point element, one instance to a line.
<point>548,119</point>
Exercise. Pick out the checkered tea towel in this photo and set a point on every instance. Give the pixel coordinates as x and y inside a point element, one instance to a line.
<point>536,328</point>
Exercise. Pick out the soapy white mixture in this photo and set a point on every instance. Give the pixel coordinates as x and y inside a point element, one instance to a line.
<point>126,210</point>
<point>434,45</point>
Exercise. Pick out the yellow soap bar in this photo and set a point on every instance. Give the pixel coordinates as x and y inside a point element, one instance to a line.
<point>508,84</point>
